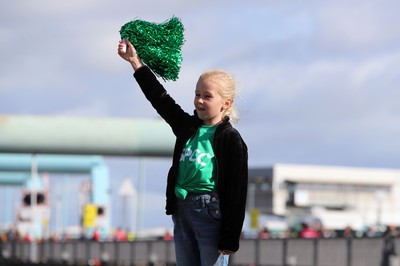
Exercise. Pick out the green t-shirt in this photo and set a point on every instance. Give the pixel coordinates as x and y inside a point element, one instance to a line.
<point>197,164</point>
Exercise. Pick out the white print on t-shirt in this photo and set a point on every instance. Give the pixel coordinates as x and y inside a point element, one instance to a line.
<point>187,152</point>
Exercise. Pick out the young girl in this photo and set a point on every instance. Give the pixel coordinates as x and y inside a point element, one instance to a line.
<point>207,182</point>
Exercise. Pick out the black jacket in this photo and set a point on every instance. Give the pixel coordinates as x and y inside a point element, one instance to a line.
<point>230,152</point>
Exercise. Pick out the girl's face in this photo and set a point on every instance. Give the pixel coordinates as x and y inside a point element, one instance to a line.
<point>208,102</point>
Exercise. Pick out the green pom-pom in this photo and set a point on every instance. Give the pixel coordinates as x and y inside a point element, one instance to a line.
<point>158,45</point>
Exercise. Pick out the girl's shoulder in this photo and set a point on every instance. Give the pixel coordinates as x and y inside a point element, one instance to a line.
<point>229,133</point>
<point>226,128</point>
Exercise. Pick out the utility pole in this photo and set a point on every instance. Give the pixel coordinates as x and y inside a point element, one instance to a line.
<point>126,191</point>
<point>34,176</point>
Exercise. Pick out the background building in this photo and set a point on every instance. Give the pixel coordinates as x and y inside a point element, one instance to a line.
<point>336,196</point>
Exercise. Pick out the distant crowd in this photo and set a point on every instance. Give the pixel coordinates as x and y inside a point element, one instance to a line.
<point>304,231</point>
<point>318,231</point>
<point>117,235</point>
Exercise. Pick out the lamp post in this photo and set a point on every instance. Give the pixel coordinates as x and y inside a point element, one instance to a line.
<point>34,175</point>
<point>126,191</point>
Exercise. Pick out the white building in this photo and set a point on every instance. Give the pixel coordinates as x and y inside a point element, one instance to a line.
<point>338,196</point>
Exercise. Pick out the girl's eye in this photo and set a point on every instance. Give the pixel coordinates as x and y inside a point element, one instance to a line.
<point>198,95</point>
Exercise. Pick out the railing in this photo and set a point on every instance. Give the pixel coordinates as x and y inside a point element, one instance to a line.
<point>255,252</point>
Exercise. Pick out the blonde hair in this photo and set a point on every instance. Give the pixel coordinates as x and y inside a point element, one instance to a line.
<point>226,88</point>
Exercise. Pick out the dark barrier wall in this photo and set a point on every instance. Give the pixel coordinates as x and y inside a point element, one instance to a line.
<point>257,252</point>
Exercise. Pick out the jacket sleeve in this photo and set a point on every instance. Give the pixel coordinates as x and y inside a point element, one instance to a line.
<point>234,191</point>
<point>162,102</point>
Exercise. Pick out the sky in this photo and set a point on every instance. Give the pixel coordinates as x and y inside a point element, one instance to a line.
<point>319,81</point>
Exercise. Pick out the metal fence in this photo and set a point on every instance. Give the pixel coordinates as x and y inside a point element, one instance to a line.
<point>254,252</point>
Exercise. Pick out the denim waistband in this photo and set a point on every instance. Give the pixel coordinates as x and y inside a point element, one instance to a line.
<point>199,199</point>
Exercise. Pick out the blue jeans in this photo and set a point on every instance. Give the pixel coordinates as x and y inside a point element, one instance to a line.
<point>197,222</point>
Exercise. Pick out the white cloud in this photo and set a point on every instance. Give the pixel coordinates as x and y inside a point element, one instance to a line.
<point>358,24</point>
<point>95,108</point>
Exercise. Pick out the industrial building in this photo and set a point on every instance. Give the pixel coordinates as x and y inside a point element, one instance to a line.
<point>337,196</point>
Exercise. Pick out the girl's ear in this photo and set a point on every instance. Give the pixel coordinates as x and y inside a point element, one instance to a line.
<point>227,104</point>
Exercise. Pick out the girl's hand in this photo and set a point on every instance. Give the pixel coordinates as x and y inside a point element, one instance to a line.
<point>226,252</point>
<point>126,50</point>
<point>129,54</point>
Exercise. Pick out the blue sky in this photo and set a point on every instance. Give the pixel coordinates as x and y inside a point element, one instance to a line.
<point>319,80</point>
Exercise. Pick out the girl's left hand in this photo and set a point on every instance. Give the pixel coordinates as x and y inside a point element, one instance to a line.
<point>226,252</point>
